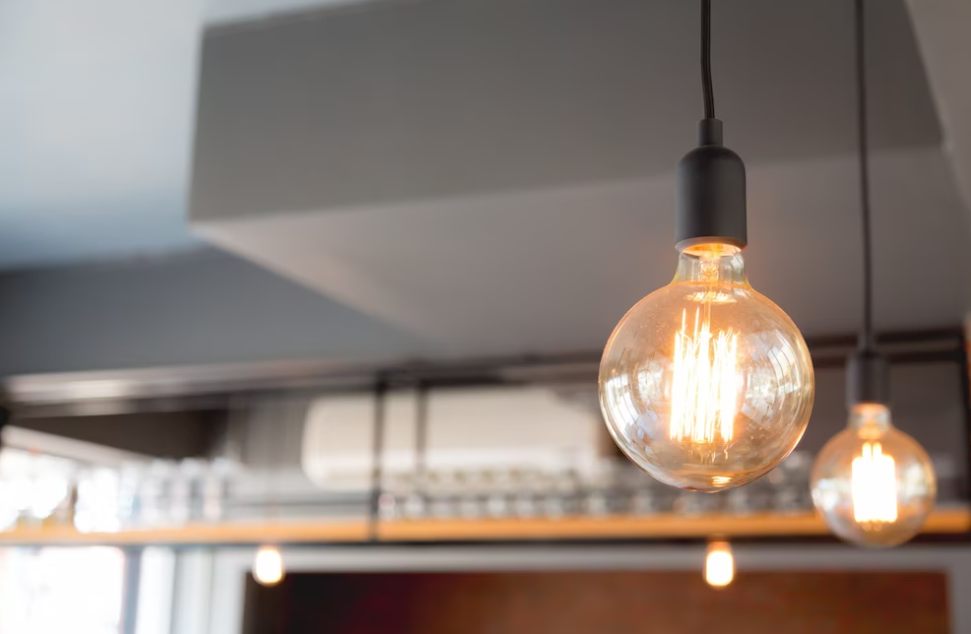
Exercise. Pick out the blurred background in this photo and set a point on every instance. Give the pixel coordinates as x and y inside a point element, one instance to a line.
<point>333,278</point>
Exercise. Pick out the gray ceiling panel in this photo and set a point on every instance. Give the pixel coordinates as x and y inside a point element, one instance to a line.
<point>417,100</point>
<point>496,176</point>
<point>197,309</point>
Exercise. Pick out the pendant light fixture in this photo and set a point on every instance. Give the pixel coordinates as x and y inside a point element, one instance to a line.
<point>706,384</point>
<point>268,568</point>
<point>873,484</point>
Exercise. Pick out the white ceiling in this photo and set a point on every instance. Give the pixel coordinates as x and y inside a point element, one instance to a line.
<point>98,105</point>
<point>97,100</point>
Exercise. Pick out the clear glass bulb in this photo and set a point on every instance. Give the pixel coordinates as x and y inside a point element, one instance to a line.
<point>872,483</point>
<point>706,384</point>
<point>719,564</point>
<point>268,566</point>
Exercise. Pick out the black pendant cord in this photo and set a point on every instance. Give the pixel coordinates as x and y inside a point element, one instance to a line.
<point>866,334</point>
<point>867,371</point>
<point>421,438</point>
<point>377,455</point>
<point>706,85</point>
<point>711,177</point>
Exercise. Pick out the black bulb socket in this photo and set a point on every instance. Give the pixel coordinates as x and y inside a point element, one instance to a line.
<point>867,378</point>
<point>711,193</point>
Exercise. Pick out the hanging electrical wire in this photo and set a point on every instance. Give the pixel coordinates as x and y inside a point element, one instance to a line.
<point>706,85</point>
<point>863,153</point>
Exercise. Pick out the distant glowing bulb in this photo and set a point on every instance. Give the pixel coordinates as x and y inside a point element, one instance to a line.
<point>873,484</point>
<point>719,564</point>
<point>268,566</point>
<point>706,384</point>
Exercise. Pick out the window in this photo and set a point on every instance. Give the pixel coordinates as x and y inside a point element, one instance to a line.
<point>47,590</point>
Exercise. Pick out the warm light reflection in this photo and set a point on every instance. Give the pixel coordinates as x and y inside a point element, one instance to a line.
<point>719,564</point>
<point>874,486</point>
<point>703,398</point>
<point>268,566</point>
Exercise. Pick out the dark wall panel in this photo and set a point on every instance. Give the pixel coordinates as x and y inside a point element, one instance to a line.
<point>600,603</point>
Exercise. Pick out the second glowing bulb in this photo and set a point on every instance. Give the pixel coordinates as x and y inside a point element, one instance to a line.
<point>873,484</point>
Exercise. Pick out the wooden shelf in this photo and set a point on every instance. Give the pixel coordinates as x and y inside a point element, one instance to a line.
<point>196,534</point>
<point>667,526</point>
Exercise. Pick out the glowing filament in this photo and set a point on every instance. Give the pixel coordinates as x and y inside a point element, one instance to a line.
<point>874,486</point>
<point>704,391</point>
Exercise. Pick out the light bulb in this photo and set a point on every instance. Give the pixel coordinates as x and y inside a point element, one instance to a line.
<point>268,566</point>
<point>872,483</point>
<point>706,384</point>
<point>719,564</point>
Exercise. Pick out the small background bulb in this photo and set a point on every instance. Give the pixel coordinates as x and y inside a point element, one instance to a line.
<point>268,566</point>
<point>719,564</point>
<point>872,483</point>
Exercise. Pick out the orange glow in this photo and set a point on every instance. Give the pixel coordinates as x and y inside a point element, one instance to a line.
<point>874,486</point>
<point>268,566</point>
<point>719,564</point>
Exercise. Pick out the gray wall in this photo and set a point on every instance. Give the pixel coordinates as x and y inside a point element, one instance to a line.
<point>196,309</point>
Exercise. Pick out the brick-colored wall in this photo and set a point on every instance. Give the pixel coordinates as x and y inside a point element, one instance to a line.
<point>600,603</point>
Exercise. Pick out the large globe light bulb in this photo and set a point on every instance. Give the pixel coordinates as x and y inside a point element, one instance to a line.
<point>872,483</point>
<point>706,384</point>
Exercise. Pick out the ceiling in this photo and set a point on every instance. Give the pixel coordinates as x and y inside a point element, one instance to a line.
<point>511,189</point>
<point>98,101</point>
<point>221,12</point>
<point>475,175</point>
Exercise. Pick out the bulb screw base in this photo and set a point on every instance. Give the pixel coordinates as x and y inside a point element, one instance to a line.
<point>711,193</point>
<point>867,378</point>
